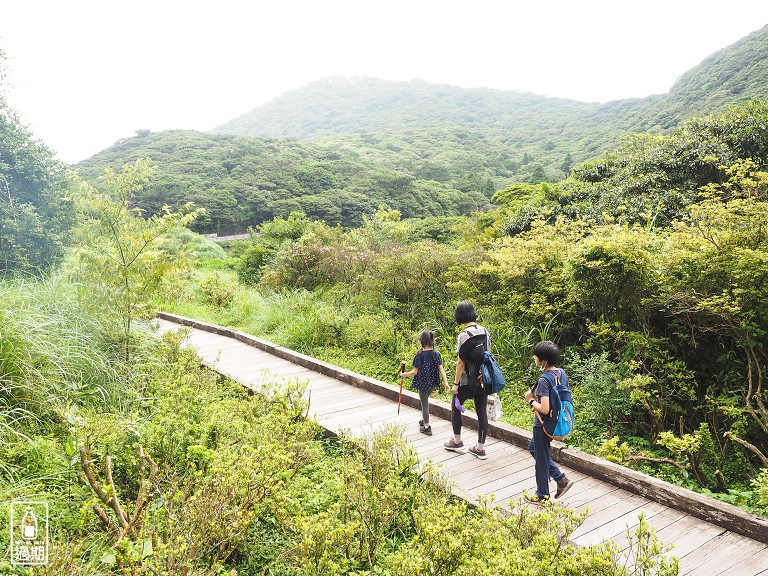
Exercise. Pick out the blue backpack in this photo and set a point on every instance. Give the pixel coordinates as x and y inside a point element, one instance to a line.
<point>493,379</point>
<point>558,424</point>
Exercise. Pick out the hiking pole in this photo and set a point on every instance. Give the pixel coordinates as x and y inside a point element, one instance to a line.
<point>400,396</point>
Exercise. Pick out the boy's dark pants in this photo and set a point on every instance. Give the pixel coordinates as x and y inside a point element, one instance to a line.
<point>539,447</point>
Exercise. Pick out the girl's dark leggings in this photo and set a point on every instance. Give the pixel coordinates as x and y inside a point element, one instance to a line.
<point>424,397</point>
<point>481,408</point>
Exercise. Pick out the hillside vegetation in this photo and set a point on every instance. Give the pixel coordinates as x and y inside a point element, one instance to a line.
<point>243,181</point>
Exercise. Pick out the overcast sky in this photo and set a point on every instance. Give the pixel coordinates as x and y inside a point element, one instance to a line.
<point>83,74</point>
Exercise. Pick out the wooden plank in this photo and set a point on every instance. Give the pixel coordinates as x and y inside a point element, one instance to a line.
<point>329,406</point>
<point>719,554</point>
<point>751,564</point>
<point>327,402</point>
<point>353,417</point>
<point>688,535</point>
<point>614,526</point>
<point>326,396</point>
<point>596,498</point>
<point>501,455</point>
<point>482,477</point>
<point>438,454</point>
<point>708,509</point>
<point>657,521</point>
<point>377,413</point>
<point>505,486</point>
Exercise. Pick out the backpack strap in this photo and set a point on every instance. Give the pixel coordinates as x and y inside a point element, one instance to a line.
<point>554,382</point>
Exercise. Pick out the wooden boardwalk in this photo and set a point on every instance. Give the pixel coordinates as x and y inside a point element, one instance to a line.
<point>709,538</point>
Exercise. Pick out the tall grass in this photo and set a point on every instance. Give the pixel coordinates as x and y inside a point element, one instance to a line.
<point>51,353</point>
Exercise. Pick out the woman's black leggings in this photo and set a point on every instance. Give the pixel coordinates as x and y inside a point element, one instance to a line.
<point>481,408</point>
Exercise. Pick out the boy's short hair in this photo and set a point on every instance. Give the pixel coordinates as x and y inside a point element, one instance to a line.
<point>465,312</point>
<point>427,338</point>
<point>547,351</point>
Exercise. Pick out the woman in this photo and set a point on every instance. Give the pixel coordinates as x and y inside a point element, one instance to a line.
<point>466,383</point>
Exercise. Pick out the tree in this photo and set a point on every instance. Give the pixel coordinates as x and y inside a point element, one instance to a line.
<point>121,265</point>
<point>716,291</point>
<point>566,165</point>
<point>33,214</point>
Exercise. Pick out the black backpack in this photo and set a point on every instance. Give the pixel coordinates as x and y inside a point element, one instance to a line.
<point>471,352</point>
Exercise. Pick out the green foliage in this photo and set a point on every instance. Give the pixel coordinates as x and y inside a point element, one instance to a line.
<point>50,354</point>
<point>760,485</point>
<point>612,276</point>
<point>658,302</point>
<point>252,261</point>
<point>217,292</point>
<point>651,180</point>
<point>34,215</point>
<point>647,555</point>
<point>605,408</point>
<point>729,76</point>
<point>611,450</point>
<point>263,248</point>
<point>185,245</point>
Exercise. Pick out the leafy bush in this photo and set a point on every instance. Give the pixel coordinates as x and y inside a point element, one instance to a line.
<point>604,408</point>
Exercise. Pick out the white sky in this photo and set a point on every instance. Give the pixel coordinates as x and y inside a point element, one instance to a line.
<point>83,74</point>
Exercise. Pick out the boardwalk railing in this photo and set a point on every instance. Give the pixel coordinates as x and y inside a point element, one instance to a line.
<point>725,515</point>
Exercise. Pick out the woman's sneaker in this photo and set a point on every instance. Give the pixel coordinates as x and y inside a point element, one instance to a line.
<point>455,446</point>
<point>477,452</point>
<point>425,429</point>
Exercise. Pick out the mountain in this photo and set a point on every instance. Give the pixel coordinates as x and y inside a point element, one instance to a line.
<point>338,148</point>
<point>349,106</point>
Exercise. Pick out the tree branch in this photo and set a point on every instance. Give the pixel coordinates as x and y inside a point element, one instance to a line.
<point>751,447</point>
<point>88,471</point>
<point>114,503</point>
<point>659,461</point>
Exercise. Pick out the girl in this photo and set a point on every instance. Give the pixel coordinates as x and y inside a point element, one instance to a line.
<point>427,371</point>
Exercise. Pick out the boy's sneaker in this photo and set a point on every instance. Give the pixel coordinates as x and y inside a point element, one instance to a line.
<point>477,452</point>
<point>563,485</point>
<point>536,499</point>
<point>455,446</point>
<point>425,429</point>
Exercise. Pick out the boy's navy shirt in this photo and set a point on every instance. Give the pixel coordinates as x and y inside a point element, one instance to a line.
<point>543,385</point>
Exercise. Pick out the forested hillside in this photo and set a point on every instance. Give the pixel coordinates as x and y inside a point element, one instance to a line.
<point>423,149</point>
<point>647,264</point>
<point>242,181</point>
